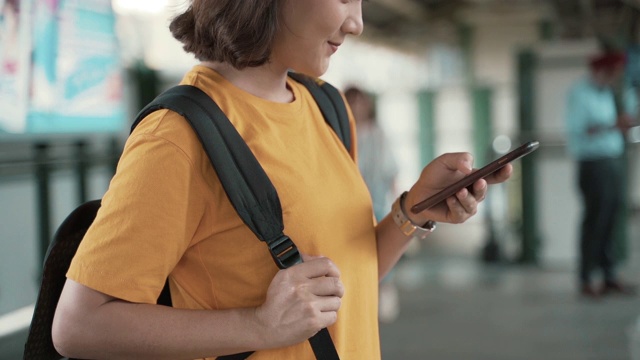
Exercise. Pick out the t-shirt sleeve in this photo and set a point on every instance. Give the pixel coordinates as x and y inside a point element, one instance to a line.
<point>148,219</point>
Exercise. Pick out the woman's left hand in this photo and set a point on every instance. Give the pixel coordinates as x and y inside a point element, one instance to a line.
<point>444,171</point>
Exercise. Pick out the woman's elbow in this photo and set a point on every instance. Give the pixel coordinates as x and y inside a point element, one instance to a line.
<point>73,313</point>
<point>62,334</point>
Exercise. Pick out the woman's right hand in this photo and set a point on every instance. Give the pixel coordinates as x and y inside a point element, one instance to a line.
<point>301,301</point>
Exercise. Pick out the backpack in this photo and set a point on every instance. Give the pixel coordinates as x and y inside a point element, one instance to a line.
<point>250,191</point>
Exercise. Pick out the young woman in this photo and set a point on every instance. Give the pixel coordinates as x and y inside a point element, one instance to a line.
<point>166,215</point>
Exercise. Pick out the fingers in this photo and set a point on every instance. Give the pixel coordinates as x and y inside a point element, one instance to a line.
<point>326,319</point>
<point>480,189</point>
<point>317,266</point>
<point>322,276</point>
<point>501,175</point>
<point>327,304</point>
<point>468,204</point>
<point>327,286</point>
<point>446,170</point>
<point>465,203</point>
<point>461,207</point>
<point>324,294</point>
<point>301,300</point>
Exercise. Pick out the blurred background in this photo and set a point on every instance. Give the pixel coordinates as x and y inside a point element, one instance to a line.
<point>481,76</point>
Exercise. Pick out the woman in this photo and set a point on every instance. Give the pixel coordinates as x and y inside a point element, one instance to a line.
<point>165,213</point>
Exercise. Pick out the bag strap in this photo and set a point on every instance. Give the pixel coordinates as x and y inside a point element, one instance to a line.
<point>245,182</point>
<point>247,186</point>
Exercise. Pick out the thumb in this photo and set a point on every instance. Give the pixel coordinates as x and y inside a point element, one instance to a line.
<point>462,162</point>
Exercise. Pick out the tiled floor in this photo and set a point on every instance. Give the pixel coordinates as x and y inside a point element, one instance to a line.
<point>456,308</point>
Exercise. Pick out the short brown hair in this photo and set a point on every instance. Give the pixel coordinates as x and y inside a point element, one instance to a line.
<point>237,32</point>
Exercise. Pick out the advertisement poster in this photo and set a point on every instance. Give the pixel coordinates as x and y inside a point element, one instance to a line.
<point>14,64</point>
<point>76,76</point>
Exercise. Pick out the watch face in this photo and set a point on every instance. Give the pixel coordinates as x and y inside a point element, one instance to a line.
<point>429,225</point>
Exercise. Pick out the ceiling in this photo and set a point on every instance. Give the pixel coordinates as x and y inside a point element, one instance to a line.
<point>403,21</point>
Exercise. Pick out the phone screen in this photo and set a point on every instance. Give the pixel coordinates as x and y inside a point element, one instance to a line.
<point>468,180</point>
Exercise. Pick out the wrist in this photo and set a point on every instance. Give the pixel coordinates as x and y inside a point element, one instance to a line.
<point>262,330</point>
<point>407,202</point>
<point>407,225</point>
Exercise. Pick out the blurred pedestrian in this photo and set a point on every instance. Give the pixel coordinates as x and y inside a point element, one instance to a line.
<point>376,161</point>
<point>379,170</point>
<point>595,131</point>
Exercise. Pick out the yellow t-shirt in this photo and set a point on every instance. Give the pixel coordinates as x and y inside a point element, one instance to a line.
<point>165,214</point>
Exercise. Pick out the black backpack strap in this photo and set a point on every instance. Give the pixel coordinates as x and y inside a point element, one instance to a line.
<point>243,179</point>
<point>245,182</point>
<point>39,344</point>
<point>331,105</point>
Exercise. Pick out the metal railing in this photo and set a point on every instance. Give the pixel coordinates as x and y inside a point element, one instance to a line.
<point>40,158</point>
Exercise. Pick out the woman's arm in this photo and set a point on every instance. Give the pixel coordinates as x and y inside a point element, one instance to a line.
<point>444,170</point>
<point>89,324</point>
<point>300,301</point>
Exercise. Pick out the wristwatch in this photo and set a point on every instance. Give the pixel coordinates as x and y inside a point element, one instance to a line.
<point>405,224</point>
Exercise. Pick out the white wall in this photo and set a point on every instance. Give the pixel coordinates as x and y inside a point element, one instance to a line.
<point>496,42</point>
<point>559,208</point>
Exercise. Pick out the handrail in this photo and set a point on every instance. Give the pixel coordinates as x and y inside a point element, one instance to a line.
<point>41,158</point>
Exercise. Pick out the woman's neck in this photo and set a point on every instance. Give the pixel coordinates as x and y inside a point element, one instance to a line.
<point>263,81</point>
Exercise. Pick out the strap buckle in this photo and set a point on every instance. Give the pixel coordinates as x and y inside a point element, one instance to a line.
<point>284,252</point>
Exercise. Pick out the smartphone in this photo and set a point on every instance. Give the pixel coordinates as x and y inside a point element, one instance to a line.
<point>524,149</point>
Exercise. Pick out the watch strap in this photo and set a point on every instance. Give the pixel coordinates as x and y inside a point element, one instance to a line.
<point>408,227</point>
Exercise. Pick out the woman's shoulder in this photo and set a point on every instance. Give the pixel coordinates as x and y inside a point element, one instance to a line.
<point>167,128</point>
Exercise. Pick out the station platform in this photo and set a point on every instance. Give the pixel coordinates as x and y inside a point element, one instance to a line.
<point>454,307</point>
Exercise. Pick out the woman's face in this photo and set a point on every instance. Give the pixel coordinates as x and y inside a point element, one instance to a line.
<point>311,31</point>
<point>608,77</point>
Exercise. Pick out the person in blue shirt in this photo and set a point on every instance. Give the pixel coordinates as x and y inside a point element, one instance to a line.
<point>596,129</point>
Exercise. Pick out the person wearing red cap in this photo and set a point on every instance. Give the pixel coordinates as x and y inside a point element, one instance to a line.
<point>612,62</point>
<point>595,133</point>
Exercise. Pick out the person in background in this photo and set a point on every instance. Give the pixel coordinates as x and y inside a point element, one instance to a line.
<point>379,169</point>
<point>166,215</point>
<point>376,161</point>
<point>596,130</point>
